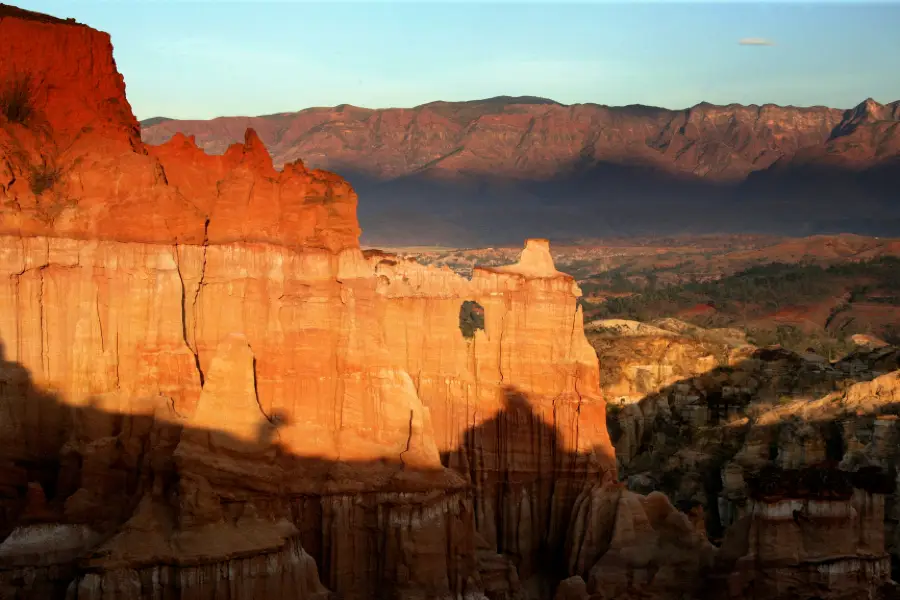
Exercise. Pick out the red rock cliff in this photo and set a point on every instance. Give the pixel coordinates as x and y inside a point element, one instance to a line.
<point>74,166</point>
<point>207,388</point>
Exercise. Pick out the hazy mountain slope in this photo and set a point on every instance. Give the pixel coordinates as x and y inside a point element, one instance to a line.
<point>438,173</point>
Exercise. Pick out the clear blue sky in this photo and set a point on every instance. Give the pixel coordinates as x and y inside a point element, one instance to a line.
<point>206,59</point>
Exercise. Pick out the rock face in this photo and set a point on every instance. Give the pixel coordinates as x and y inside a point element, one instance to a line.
<point>311,373</point>
<point>245,199</point>
<point>208,389</point>
<point>74,165</point>
<point>626,545</point>
<point>790,457</point>
<point>808,530</point>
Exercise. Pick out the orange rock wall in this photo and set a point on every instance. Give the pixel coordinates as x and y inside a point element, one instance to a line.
<point>208,389</point>
<point>74,166</point>
<point>199,365</point>
<point>326,344</point>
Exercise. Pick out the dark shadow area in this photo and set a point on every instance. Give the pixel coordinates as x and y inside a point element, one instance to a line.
<point>615,199</point>
<point>722,402</point>
<point>823,480</point>
<point>371,525</point>
<point>505,494</point>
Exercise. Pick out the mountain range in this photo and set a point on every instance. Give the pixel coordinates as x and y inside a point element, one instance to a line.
<point>490,171</point>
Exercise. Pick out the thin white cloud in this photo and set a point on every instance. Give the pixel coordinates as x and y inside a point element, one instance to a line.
<point>756,42</point>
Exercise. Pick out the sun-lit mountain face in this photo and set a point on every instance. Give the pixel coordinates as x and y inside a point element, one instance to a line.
<point>442,172</point>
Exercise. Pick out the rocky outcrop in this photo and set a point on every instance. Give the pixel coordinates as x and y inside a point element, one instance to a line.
<point>854,428</point>
<point>626,545</point>
<point>641,359</point>
<point>73,164</point>
<point>208,389</point>
<point>669,436</point>
<point>245,199</point>
<point>810,530</point>
<point>283,570</point>
<point>313,396</point>
<point>790,456</point>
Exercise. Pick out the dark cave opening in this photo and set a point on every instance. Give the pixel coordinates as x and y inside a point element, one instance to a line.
<point>471,318</point>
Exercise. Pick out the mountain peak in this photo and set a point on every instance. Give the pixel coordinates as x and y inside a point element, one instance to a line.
<point>154,121</point>
<point>869,108</point>
<point>517,100</point>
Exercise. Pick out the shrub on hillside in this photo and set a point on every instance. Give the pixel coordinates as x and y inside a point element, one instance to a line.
<point>17,100</point>
<point>43,177</point>
<point>471,318</point>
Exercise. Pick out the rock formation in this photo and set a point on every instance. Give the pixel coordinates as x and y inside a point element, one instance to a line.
<point>808,531</point>
<point>790,457</point>
<point>625,545</point>
<point>74,165</point>
<point>207,386</point>
<point>208,390</point>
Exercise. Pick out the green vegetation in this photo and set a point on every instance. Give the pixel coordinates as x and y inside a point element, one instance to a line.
<point>471,318</point>
<point>763,288</point>
<point>17,100</point>
<point>831,345</point>
<point>624,279</point>
<point>757,293</point>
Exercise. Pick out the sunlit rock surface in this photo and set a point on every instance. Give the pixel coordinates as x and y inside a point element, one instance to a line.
<point>207,386</point>
<point>208,390</point>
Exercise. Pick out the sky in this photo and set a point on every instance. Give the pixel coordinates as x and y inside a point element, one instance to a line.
<point>203,59</point>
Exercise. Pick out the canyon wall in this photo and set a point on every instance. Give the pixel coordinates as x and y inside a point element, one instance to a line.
<point>300,373</point>
<point>788,458</point>
<point>808,531</point>
<point>208,388</point>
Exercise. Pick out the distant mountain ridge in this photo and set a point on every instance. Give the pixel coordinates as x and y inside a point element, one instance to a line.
<point>566,170</point>
<point>706,140</point>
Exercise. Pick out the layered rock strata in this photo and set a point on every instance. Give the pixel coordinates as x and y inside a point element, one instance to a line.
<point>208,389</point>
<point>294,380</point>
<point>816,530</point>
<point>737,440</point>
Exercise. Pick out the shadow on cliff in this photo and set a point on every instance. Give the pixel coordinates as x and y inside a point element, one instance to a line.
<point>524,483</point>
<point>505,493</point>
<point>714,412</point>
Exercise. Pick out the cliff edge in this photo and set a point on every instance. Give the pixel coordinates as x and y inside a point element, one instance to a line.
<point>208,389</point>
<point>74,165</point>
